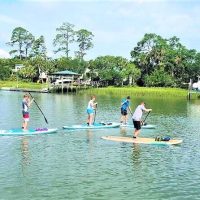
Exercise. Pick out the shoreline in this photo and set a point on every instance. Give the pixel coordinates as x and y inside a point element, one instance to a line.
<point>111,90</point>
<point>23,90</point>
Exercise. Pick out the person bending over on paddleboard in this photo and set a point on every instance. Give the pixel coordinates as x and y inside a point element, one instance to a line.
<point>124,113</point>
<point>90,110</point>
<point>26,103</point>
<point>137,118</point>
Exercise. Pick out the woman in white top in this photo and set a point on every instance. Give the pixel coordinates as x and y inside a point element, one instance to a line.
<point>90,110</point>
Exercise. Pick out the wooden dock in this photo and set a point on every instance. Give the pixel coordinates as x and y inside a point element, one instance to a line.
<point>67,88</point>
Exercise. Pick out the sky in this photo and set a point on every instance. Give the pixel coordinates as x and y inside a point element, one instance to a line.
<point>117,25</point>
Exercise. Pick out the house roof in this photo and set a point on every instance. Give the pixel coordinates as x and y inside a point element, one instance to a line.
<point>66,72</point>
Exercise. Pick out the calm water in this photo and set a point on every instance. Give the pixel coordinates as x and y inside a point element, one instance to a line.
<point>80,165</point>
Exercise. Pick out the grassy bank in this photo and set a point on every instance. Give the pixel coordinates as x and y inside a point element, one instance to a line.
<point>139,91</point>
<point>23,85</point>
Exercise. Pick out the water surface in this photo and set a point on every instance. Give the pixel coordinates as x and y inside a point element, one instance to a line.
<point>80,165</point>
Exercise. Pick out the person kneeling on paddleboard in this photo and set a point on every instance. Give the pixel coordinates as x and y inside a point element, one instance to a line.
<point>124,113</point>
<point>90,110</point>
<point>137,118</point>
<point>26,103</point>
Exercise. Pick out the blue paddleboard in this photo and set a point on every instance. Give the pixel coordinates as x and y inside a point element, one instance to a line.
<point>18,132</point>
<point>95,126</point>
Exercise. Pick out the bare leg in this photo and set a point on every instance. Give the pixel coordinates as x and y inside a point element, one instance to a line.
<point>90,119</point>
<point>122,119</point>
<point>25,125</point>
<point>136,132</point>
<point>126,119</point>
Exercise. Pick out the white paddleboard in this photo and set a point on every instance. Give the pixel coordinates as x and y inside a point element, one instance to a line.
<point>140,140</point>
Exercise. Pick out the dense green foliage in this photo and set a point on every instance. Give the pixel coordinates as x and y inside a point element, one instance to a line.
<point>155,61</point>
<point>176,63</point>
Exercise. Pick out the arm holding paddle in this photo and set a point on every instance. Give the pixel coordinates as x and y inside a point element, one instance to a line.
<point>30,102</point>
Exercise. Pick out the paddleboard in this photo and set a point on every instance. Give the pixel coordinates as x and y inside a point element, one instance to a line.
<point>147,126</point>
<point>141,140</point>
<point>95,126</point>
<point>20,132</point>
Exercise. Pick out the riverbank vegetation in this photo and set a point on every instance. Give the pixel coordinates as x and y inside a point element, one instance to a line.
<point>138,91</point>
<point>155,61</point>
<point>22,85</point>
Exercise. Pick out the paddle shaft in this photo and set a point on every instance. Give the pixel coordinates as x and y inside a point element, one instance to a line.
<point>146,116</point>
<point>39,108</point>
<point>130,111</point>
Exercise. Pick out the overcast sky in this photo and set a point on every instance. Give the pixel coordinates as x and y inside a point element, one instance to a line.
<point>117,25</point>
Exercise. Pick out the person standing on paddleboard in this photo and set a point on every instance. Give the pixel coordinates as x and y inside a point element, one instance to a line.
<point>26,103</point>
<point>124,113</point>
<point>90,110</point>
<point>137,118</point>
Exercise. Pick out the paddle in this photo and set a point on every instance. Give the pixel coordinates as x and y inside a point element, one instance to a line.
<point>130,111</point>
<point>39,108</point>
<point>146,118</point>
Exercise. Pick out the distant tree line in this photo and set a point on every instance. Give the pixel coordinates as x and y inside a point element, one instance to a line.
<point>155,61</point>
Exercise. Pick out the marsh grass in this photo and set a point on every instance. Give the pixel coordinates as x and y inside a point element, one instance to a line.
<point>23,85</point>
<point>139,91</point>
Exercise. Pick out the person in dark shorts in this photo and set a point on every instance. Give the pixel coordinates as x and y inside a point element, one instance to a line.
<point>124,113</point>
<point>137,118</point>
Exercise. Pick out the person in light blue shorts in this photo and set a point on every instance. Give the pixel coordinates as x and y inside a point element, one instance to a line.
<point>90,110</point>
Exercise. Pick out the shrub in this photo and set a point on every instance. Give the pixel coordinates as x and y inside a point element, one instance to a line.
<point>159,78</point>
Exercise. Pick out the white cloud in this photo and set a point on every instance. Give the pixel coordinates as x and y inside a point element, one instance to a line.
<point>4,54</point>
<point>9,20</point>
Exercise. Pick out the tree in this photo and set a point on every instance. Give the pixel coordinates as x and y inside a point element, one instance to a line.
<point>109,68</point>
<point>23,40</point>
<point>159,78</point>
<point>28,43</point>
<point>39,48</point>
<point>84,40</point>
<point>131,73</point>
<point>74,65</point>
<point>28,72</point>
<point>154,52</point>
<point>64,37</point>
<point>149,53</point>
<point>5,72</point>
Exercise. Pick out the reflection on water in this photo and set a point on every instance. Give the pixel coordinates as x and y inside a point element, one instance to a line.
<point>136,156</point>
<point>80,165</point>
<point>193,108</point>
<point>25,155</point>
<point>123,131</point>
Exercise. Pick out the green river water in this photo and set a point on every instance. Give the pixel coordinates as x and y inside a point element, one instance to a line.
<point>80,165</point>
